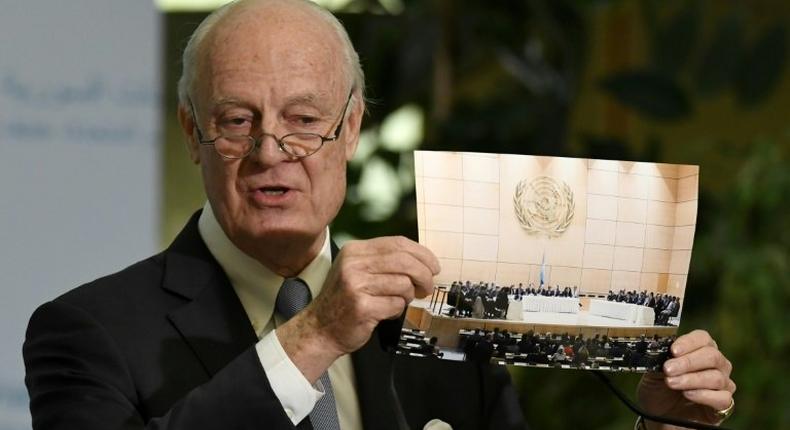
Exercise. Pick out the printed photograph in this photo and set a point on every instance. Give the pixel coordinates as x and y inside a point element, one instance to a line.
<point>551,261</point>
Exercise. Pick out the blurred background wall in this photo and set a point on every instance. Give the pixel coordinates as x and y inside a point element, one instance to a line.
<point>80,158</point>
<point>686,82</point>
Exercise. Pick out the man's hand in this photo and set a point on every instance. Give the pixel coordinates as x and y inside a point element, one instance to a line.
<point>370,281</point>
<point>696,381</point>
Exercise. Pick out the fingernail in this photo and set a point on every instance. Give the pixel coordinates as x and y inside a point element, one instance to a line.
<point>669,367</point>
<point>676,350</point>
<point>673,381</point>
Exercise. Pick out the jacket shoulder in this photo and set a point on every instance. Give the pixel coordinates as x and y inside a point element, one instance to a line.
<point>126,288</point>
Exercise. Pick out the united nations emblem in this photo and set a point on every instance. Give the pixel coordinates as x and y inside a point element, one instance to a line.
<point>544,205</point>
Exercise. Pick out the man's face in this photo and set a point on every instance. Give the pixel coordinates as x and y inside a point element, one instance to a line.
<point>278,71</point>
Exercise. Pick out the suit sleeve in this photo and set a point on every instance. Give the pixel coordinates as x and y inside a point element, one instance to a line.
<point>77,379</point>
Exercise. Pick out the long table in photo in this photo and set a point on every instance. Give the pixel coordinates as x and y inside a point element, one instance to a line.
<point>549,304</point>
<point>635,314</point>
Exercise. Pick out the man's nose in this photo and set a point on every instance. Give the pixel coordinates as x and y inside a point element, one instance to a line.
<point>268,151</point>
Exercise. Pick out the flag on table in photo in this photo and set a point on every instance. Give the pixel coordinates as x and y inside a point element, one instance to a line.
<point>542,269</point>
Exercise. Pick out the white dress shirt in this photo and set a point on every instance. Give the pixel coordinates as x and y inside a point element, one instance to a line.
<point>257,288</point>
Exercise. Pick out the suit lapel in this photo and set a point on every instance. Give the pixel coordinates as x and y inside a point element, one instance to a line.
<point>212,321</point>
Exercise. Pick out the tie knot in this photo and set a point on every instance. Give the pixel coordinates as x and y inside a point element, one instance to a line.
<point>294,295</point>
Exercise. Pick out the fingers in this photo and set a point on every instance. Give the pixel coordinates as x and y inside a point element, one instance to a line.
<point>386,245</point>
<point>700,371</point>
<point>707,357</point>
<point>402,263</point>
<point>692,341</point>
<point>389,285</point>
<point>710,379</point>
<point>375,274</point>
<point>393,255</point>
<point>716,400</point>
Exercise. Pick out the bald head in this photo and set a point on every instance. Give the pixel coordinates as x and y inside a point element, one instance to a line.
<point>241,19</point>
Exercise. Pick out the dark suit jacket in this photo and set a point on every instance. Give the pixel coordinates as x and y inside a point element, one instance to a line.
<point>166,344</point>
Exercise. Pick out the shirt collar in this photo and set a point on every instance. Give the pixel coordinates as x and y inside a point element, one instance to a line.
<point>256,285</point>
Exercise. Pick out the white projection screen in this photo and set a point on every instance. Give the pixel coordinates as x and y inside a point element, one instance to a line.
<point>80,165</point>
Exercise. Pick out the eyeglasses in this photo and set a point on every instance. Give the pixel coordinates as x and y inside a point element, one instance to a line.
<point>297,145</point>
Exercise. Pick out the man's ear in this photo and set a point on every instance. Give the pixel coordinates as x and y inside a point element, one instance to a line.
<point>187,121</point>
<point>354,124</point>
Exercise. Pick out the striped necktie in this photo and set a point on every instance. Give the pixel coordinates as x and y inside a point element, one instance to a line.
<point>294,296</point>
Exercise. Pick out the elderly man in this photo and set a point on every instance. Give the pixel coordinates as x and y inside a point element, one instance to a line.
<point>252,318</point>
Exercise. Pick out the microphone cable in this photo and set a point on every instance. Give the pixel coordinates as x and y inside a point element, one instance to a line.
<point>399,415</point>
<point>389,335</point>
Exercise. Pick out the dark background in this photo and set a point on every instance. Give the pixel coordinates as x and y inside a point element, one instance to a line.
<point>688,82</point>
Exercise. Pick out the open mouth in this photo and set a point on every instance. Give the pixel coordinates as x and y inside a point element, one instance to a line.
<point>274,191</point>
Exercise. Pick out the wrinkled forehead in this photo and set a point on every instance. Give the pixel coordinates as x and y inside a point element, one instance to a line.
<point>279,45</point>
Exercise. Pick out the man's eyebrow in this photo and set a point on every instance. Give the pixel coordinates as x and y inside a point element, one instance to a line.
<point>228,101</point>
<point>302,98</point>
<point>321,102</point>
<point>220,105</point>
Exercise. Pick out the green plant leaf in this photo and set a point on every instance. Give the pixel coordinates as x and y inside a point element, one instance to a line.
<point>675,40</point>
<point>720,60</point>
<point>650,94</point>
<point>761,67</point>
